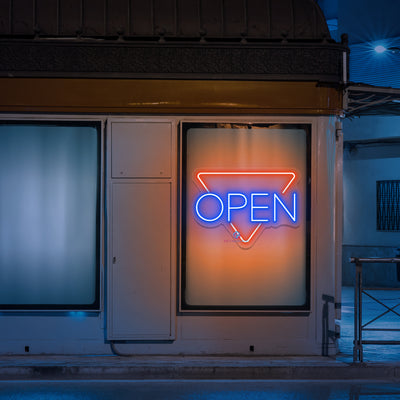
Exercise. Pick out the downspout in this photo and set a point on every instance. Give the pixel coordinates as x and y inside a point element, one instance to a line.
<point>338,186</point>
<point>345,70</point>
<point>338,218</point>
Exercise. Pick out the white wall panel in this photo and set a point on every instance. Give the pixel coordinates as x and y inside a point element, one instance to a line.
<point>141,149</point>
<point>141,262</point>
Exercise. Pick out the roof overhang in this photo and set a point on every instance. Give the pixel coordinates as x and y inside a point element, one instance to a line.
<point>269,61</point>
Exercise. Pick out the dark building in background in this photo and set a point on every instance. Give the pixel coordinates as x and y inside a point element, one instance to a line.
<point>371,135</point>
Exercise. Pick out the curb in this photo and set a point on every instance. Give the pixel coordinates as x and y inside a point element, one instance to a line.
<point>346,372</point>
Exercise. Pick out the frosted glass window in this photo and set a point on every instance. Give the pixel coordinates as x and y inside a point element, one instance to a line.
<point>246,217</point>
<point>49,215</point>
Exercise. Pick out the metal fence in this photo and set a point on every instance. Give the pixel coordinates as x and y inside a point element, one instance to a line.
<point>359,326</point>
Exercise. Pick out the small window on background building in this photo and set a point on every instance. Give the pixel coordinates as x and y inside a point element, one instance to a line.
<point>49,215</point>
<point>388,205</point>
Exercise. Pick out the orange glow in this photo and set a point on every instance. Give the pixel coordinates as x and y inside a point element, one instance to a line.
<point>267,264</point>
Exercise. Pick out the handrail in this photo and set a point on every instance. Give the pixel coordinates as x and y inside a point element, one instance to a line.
<point>374,260</point>
<point>358,291</point>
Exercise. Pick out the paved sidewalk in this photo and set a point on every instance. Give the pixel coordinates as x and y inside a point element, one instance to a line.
<point>382,363</point>
<point>199,367</point>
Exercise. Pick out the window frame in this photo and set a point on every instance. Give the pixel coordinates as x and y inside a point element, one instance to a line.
<point>285,310</point>
<point>65,121</point>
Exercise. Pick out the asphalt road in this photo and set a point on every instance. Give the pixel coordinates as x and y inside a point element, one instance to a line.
<point>197,390</point>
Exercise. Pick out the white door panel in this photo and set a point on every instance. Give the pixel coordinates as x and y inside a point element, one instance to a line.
<point>141,266</point>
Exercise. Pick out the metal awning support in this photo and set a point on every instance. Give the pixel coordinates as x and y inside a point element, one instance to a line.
<point>361,99</point>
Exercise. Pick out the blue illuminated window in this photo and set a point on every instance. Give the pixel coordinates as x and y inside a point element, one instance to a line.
<point>49,213</point>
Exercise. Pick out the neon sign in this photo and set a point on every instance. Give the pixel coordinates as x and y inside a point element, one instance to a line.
<point>277,201</point>
<point>235,200</point>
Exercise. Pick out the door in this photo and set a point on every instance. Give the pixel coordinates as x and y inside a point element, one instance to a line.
<point>141,193</point>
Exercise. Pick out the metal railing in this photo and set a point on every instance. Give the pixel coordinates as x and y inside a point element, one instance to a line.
<point>359,327</point>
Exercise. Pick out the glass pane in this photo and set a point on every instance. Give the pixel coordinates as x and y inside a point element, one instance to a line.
<point>49,184</point>
<point>245,229</point>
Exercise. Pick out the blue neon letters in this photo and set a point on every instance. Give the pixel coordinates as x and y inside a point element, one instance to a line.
<point>263,207</point>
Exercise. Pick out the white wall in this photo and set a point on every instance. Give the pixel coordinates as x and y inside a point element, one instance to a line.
<point>371,127</point>
<point>360,176</point>
<point>363,166</point>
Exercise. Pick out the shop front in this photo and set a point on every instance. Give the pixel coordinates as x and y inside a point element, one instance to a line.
<point>161,215</point>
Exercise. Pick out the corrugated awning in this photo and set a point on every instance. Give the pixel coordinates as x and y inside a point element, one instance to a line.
<point>361,99</point>
<point>164,20</point>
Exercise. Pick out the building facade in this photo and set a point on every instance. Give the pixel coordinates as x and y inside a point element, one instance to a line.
<point>171,177</point>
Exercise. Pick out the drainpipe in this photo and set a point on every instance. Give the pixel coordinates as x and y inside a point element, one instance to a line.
<point>345,73</point>
<point>338,218</point>
<point>345,61</point>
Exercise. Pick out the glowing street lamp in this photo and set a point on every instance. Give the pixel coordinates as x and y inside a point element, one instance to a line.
<point>380,49</point>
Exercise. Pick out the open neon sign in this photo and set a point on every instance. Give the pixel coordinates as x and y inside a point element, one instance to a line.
<point>245,212</point>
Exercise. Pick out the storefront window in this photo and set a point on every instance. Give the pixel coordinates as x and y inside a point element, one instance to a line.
<point>246,216</point>
<point>49,215</point>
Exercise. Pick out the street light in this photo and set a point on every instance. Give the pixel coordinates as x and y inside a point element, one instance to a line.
<point>381,49</point>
